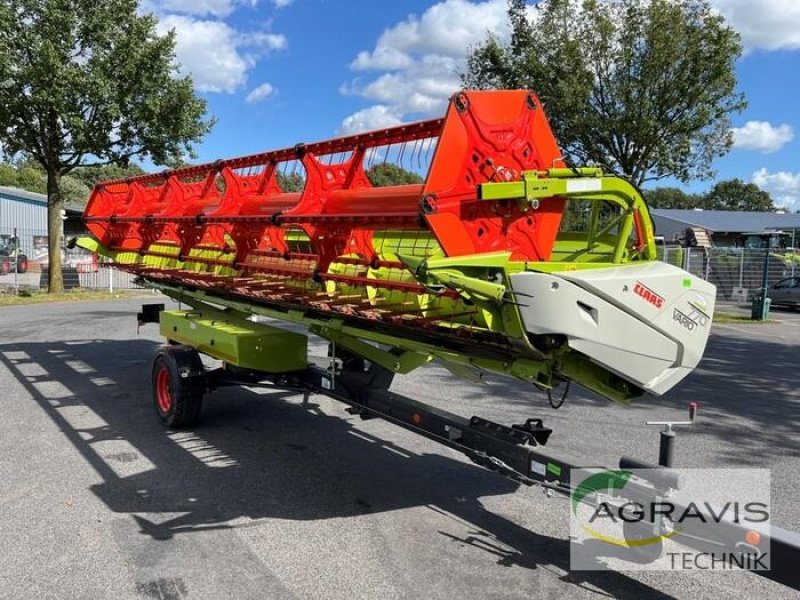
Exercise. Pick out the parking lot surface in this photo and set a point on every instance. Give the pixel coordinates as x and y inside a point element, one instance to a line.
<point>271,498</point>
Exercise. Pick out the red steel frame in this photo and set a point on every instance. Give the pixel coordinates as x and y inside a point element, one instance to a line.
<point>485,136</point>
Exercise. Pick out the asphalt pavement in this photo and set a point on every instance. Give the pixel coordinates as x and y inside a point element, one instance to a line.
<point>269,497</point>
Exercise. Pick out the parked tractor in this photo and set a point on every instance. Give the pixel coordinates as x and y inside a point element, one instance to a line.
<point>11,255</point>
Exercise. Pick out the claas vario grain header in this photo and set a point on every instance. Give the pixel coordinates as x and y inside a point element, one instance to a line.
<point>466,240</point>
<point>493,256</point>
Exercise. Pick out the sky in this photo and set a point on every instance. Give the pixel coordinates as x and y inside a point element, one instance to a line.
<point>278,72</point>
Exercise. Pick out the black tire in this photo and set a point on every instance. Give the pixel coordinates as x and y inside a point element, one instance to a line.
<point>637,532</point>
<point>178,384</point>
<point>5,266</point>
<point>22,263</point>
<point>350,361</point>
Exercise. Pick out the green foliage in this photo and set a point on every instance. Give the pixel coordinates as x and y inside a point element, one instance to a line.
<point>31,179</point>
<point>8,175</point>
<point>291,182</point>
<point>670,197</point>
<point>731,194</point>
<point>642,87</point>
<point>735,194</point>
<point>75,188</point>
<point>74,191</point>
<point>381,175</point>
<point>90,83</point>
<point>24,176</point>
<point>89,176</point>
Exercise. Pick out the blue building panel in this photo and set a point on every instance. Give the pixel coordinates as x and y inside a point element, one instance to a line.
<point>27,212</point>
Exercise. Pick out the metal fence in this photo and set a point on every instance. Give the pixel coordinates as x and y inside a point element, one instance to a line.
<point>80,268</point>
<point>737,272</point>
<point>106,277</point>
<point>33,242</point>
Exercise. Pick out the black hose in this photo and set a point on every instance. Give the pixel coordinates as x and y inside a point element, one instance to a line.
<point>560,403</point>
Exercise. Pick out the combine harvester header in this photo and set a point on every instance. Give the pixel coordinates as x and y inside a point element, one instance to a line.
<point>491,256</point>
<point>494,257</point>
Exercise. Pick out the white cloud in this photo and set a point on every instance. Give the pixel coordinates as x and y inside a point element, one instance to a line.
<point>217,56</point>
<point>422,57</point>
<point>418,60</point>
<point>260,93</point>
<point>378,116</point>
<point>282,3</point>
<point>259,39</point>
<point>762,136</point>
<point>446,28</point>
<point>383,57</point>
<point>783,186</point>
<point>764,25</point>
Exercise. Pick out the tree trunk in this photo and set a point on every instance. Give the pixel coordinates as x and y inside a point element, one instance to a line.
<point>55,231</point>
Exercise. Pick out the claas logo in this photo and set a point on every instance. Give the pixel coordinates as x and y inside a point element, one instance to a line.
<point>648,294</point>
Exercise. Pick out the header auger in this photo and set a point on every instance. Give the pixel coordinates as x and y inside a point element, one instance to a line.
<point>494,256</point>
<point>484,251</point>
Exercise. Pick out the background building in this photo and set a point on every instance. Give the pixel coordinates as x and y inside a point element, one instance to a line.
<point>725,248</point>
<point>725,228</point>
<point>27,212</point>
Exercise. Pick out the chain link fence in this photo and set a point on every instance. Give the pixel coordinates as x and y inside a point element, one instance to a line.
<point>737,272</point>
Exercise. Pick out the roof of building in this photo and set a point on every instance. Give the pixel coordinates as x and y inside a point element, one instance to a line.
<point>14,193</point>
<point>21,194</point>
<point>730,221</point>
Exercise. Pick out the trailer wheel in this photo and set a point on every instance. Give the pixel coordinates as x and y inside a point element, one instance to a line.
<point>22,264</point>
<point>178,385</point>
<point>645,547</point>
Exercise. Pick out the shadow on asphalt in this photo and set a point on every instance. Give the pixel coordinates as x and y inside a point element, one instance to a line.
<point>750,398</point>
<point>748,390</point>
<point>254,458</point>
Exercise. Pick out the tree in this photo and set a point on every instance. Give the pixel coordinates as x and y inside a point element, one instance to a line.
<point>381,175</point>
<point>291,182</point>
<point>76,187</point>
<point>90,83</point>
<point>31,179</point>
<point>24,176</point>
<point>670,197</point>
<point>8,175</point>
<point>89,176</point>
<point>74,191</point>
<point>643,88</point>
<point>735,194</point>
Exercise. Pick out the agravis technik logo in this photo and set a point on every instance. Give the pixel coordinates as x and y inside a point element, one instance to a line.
<point>693,519</point>
<point>604,481</point>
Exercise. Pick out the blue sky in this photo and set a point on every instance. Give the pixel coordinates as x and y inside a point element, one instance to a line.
<point>276,72</point>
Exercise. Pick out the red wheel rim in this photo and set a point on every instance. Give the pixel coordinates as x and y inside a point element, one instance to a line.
<point>163,393</point>
<point>23,265</point>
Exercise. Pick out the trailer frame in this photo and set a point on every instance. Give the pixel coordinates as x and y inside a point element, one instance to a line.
<point>180,380</point>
